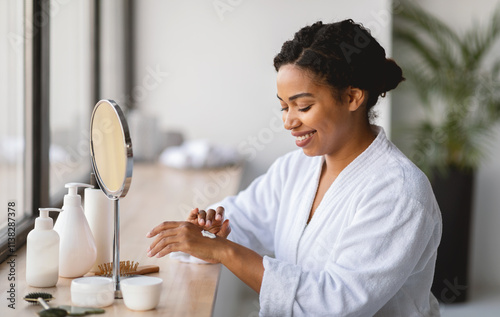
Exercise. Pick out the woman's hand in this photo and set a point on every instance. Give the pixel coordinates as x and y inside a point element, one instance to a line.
<point>185,236</point>
<point>172,236</point>
<point>210,220</point>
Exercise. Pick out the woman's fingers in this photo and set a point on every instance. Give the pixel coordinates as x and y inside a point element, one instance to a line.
<point>161,227</point>
<point>201,217</point>
<point>173,233</point>
<point>164,244</point>
<point>162,233</point>
<point>219,213</point>
<point>193,215</point>
<point>225,229</point>
<point>214,217</point>
<point>182,236</point>
<point>210,218</point>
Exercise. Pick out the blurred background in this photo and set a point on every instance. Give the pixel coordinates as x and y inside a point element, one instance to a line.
<point>196,80</point>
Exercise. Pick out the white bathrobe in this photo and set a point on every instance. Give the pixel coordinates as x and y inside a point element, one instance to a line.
<point>369,249</point>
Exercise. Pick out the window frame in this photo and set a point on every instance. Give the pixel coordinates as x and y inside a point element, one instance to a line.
<point>37,99</point>
<point>36,103</point>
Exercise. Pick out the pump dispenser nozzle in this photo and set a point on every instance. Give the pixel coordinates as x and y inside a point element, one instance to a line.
<point>44,212</point>
<point>73,187</point>
<point>44,222</point>
<point>72,199</point>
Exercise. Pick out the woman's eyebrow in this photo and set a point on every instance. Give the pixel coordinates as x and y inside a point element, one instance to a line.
<point>303,94</point>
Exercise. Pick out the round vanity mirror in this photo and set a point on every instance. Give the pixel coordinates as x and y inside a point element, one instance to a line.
<point>111,149</point>
<point>111,152</point>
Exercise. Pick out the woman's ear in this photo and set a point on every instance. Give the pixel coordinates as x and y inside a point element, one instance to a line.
<point>356,98</point>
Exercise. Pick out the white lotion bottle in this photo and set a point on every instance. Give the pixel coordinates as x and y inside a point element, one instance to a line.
<point>77,250</point>
<point>42,252</point>
<point>99,212</point>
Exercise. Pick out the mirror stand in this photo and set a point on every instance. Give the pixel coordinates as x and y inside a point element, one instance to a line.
<point>116,251</point>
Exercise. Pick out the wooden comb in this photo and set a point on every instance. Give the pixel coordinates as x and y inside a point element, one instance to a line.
<point>127,268</point>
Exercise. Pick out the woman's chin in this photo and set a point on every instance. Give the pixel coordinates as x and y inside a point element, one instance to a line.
<point>310,152</point>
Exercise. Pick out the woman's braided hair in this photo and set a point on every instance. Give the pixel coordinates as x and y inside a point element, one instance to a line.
<point>342,54</point>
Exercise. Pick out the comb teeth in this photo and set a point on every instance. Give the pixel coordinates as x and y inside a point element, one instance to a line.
<point>33,297</point>
<point>126,268</point>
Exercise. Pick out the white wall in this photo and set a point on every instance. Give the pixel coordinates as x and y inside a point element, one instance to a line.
<point>213,62</point>
<point>485,244</point>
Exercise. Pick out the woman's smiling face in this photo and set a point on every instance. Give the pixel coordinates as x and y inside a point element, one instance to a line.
<point>320,122</point>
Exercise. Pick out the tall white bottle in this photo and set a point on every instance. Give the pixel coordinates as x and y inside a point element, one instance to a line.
<point>99,212</point>
<point>42,252</point>
<point>77,250</point>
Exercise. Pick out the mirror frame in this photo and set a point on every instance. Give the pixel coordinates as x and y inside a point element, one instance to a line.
<point>122,191</point>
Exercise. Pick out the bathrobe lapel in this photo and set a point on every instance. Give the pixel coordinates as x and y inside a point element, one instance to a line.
<point>297,210</point>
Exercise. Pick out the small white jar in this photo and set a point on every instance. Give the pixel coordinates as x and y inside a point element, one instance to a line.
<point>141,292</point>
<point>92,291</point>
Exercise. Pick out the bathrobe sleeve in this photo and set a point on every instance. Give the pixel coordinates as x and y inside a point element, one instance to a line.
<point>390,235</point>
<point>253,212</point>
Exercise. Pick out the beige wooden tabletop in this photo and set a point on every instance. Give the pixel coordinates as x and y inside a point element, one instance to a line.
<point>157,193</point>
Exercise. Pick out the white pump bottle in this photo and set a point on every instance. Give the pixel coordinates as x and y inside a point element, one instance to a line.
<point>42,252</point>
<point>77,251</point>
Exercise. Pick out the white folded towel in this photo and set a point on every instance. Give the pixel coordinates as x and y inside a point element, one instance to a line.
<point>199,154</point>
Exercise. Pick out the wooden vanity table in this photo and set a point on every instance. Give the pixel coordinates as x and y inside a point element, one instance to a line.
<point>157,193</point>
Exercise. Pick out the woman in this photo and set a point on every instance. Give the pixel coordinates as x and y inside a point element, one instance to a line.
<point>344,226</point>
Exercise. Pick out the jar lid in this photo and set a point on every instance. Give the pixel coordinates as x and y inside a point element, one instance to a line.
<point>139,281</point>
<point>92,291</point>
<point>92,283</point>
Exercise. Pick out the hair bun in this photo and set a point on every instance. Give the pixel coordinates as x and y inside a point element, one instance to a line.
<point>393,75</point>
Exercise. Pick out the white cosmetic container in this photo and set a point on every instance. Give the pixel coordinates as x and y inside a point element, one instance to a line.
<point>77,250</point>
<point>141,292</point>
<point>99,214</point>
<point>42,252</point>
<point>93,291</point>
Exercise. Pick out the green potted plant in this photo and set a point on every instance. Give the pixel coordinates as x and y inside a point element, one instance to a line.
<point>456,77</point>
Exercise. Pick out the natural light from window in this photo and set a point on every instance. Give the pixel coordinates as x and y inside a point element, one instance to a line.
<point>12,113</point>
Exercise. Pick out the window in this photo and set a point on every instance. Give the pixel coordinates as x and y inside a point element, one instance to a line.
<point>71,94</point>
<point>50,79</point>
<point>14,140</point>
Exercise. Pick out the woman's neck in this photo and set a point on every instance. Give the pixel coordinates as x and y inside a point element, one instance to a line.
<point>334,164</point>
